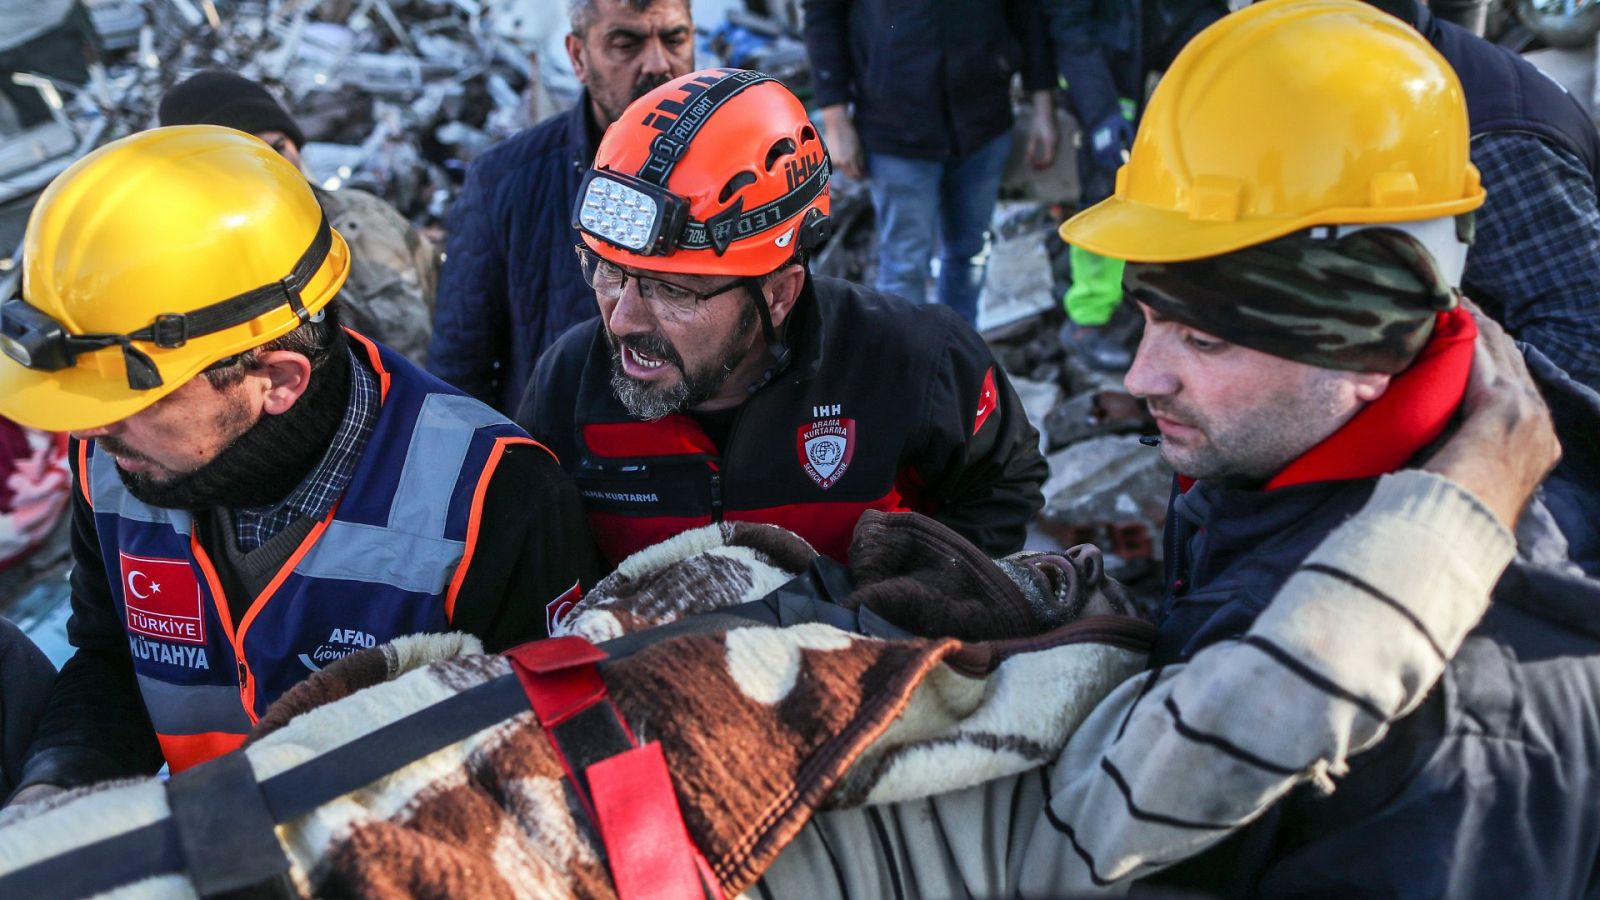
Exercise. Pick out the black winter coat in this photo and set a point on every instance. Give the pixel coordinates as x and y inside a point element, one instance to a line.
<point>930,79</point>
<point>885,405</point>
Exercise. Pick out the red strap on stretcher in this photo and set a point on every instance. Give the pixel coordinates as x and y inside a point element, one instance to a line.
<point>629,795</point>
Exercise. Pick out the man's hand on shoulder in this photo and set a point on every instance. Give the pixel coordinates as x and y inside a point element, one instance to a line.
<point>1505,443</point>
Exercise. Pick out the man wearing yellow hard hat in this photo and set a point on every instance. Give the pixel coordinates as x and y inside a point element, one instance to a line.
<point>1295,214</point>
<point>259,491</point>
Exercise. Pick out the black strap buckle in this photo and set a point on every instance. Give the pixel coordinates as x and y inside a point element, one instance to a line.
<point>668,149</point>
<point>170,330</point>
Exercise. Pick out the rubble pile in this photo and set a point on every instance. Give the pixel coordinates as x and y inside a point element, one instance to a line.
<point>395,96</point>
<point>398,96</point>
<point>1105,487</point>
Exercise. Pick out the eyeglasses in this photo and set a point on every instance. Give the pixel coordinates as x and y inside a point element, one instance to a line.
<point>667,300</point>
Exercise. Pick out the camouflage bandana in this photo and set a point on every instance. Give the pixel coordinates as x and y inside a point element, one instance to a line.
<point>1365,302</point>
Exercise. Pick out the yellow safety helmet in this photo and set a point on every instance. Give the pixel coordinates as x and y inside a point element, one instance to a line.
<point>151,259</point>
<point>1285,115</point>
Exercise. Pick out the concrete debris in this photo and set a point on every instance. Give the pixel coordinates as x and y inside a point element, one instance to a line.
<point>1019,282</point>
<point>1094,413</point>
<point>1026,346</point>
<point>1111,491</point>
<point>852,254</point>
<point>1038,399</point>
<point>1077,465</point>
<point>396,96</point>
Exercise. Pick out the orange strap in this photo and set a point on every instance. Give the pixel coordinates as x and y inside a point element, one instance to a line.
<point>184,751</point>
<point>642,827</point>
<point>624,788</point>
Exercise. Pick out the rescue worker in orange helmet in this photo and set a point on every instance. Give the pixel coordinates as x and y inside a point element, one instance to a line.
<point>723,381</point>
<point>258,491</point>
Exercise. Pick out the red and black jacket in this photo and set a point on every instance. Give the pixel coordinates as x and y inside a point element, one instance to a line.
<point>886,405</point>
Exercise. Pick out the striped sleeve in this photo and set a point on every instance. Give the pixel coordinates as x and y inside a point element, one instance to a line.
<point>1175,760</point>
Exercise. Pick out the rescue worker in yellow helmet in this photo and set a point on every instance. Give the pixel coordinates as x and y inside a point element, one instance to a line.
<point>1295,214</point>
<point>259,491</point>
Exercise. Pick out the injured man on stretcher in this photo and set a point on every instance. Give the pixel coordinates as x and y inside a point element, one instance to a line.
<point>927,723</point>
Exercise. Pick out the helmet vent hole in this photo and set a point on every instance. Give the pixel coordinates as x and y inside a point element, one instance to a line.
<point>808,134</point>
<point>779,150</point>
<point>743,179</point>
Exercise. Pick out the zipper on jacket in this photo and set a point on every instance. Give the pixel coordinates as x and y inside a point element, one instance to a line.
<point>721,462</point>
<point>716,496</point>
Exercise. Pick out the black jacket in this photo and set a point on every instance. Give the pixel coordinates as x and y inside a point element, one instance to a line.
<point>1486,790</point>
<point>510,284</point>
<point>930,79</point>
<point>25,679</point>
<point>890,405</point>
<point>1105,48</point>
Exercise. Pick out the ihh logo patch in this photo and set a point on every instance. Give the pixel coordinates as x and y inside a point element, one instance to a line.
<point>825,449</point>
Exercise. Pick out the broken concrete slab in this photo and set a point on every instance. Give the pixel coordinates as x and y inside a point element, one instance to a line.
<point>1093,413</point>
<point>1109,489</point>
<point>1038,399</point>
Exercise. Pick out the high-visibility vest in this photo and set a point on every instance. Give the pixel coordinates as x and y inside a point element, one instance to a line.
<point>384,562</point>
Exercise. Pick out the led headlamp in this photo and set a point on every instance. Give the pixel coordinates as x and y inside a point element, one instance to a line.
<point>35,339</point>
<point>629,212</point>
<point>29,336</point>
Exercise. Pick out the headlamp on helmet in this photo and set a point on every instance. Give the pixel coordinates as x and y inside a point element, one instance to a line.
<point>29,336</point>
<point>38,341</point>
<point>629,212</point>
<point>33,338</point>
<point>718,172</point>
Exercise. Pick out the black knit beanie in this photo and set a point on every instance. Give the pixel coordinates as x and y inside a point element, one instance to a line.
<point>216,97</point>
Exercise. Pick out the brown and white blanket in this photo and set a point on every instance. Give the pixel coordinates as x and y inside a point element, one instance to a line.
<point>761,726</point>
<point>765,727</point>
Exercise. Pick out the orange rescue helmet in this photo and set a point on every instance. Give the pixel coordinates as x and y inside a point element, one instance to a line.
<point>718,172</point>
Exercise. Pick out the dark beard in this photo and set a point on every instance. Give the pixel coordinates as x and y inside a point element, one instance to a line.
<point>643,401</point>
<point>264,464</point>
<point>644,85</point>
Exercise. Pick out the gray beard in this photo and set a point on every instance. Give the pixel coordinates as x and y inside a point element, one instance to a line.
<point>642,401</point>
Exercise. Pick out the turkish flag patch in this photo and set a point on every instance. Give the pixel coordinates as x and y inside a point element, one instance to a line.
<point>162,598</point>
<point>557,610</point>
<point>988,398</point>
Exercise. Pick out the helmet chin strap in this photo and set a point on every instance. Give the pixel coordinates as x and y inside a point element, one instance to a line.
<point>775,345</point>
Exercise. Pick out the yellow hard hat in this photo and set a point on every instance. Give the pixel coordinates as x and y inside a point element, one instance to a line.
<point>152,258</point>
<point>1285,115</point>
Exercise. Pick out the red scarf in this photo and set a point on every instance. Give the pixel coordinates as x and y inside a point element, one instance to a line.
<point>1410,415</point>
<point>1390,430</point>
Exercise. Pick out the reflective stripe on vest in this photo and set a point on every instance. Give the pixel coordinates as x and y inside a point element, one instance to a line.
<point>392,542</point>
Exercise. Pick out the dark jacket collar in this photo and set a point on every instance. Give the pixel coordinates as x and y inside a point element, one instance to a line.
<point>804,331</point>
<point>583,132</point>
<point>1229,549</point>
